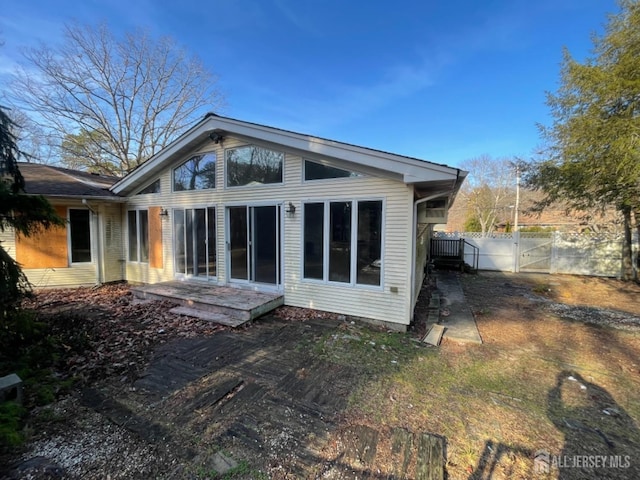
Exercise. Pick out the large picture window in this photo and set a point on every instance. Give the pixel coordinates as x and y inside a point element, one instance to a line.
<point>80,235</point>
<point>138,235</point>
<point>343,242</point>
<point>197,173</point>
<point>251,165</point>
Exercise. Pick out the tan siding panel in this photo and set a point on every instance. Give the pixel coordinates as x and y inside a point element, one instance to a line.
<point>155,237</point>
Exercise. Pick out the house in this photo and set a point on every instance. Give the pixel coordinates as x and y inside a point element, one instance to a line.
<point>329,225</point>
<point>88,251</point>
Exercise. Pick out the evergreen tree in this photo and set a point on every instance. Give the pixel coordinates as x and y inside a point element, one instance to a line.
<point>25,214</point>
<point>593,154</point>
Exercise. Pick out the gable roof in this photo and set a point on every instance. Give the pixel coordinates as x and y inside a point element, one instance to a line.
<point>53,181</point>
<point>406,169</point>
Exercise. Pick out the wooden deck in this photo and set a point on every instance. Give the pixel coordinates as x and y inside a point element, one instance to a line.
<point>220,304</point>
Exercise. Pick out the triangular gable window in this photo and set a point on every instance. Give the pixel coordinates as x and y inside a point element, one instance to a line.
<point>318,171</point>
<point>151,188</point>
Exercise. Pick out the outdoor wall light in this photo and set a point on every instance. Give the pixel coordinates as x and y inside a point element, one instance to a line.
<point>164,212</point>
<point>216,137</point>
<point>291,209</point>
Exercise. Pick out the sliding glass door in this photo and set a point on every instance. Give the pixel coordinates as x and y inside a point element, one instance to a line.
<point>254,243</point>
<point>195,242</point>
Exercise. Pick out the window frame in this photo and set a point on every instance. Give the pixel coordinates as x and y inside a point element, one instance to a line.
<point>191,157</point>
<point>138,236</point>
<point>69,237</point>
<point>353,283</point>
<point>260,185</point>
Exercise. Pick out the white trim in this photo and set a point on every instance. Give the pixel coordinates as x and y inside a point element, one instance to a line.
<point>92,235</point>
<point>411,170</point>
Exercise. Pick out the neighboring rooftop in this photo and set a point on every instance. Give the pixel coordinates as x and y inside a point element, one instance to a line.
<point>64,182</point>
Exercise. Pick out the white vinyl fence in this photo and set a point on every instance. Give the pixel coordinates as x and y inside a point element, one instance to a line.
<point>547,252</point>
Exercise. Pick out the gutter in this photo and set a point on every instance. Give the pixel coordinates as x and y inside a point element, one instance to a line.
<point>104,198</point>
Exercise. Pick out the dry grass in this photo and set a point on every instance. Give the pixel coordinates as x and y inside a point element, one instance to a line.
<point>538,382</point>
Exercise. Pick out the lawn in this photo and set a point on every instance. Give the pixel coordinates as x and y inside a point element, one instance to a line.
<point>558,373</point>
<point>552,375</point>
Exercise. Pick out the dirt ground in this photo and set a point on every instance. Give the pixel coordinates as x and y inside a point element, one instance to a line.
<point>291,395</point>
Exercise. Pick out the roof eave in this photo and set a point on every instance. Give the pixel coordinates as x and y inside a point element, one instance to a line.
<point>411,170</point>
<point>102,198</point>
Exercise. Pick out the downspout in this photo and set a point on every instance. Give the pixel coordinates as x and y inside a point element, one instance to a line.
<point>413,243</point>
<point>99,249</point>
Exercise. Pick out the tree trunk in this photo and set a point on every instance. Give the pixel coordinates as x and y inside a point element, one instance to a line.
<point>628,272</point>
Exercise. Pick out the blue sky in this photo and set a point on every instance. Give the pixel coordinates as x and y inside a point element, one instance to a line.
<point>440,80</point>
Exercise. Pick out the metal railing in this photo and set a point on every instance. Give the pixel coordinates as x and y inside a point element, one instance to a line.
<point>445,250</point>
<point>475,252</point>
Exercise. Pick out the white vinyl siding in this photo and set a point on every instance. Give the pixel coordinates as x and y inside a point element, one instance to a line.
<point>379,302</point>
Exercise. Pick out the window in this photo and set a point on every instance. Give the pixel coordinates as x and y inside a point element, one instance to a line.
<point>340,242</point>
<point>253,165</point>
<point>138,230</point>
<point>151,188</point>
<point>369,253</point>
<point>197,173</point>
<point>343,242</point>
<point>318,171</point>
<point>313,240</point>
<point>80,235</point>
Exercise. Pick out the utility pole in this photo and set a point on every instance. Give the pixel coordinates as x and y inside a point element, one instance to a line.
<point>515,222</point>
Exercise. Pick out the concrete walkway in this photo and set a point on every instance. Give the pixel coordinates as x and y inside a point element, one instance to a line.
<point>460,326</point>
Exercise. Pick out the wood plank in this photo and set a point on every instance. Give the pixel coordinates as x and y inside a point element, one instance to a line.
<point>401,452</point>
<point>434,335</point>
<point>214,317</point>
<point>431,457</point>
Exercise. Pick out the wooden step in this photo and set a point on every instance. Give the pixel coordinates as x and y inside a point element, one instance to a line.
<point>215,317</point>
<point>234,302</point>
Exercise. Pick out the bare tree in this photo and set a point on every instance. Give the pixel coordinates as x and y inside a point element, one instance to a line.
<point>138,92</point>
<point>488,195</point>
<point>36,143</point>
